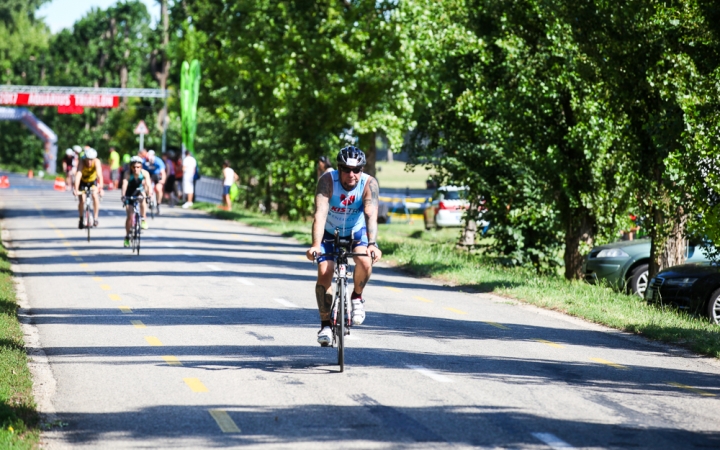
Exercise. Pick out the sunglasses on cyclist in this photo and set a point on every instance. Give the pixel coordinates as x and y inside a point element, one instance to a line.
<point>347,169</point>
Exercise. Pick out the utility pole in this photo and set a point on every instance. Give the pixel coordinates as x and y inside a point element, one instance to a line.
<point>165,70</point>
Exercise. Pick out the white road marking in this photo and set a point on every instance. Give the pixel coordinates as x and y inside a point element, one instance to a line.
<point>284,302</point>
<point>245,282</point>
<point>188,254</point>
<point>211,267</point>
<point>551,440</point>
<point>430,374</point>
<point>167,244</point>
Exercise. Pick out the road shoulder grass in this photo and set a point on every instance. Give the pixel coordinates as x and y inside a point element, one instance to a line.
<point>19,420</point>
<point>433,254</point>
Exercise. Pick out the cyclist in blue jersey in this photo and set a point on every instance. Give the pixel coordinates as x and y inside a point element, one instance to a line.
<point>156,168</point>
<point>346,199</point>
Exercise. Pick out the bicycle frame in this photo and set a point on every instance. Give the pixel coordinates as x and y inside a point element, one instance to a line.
<point>88,212</point>
<point>340,320</point>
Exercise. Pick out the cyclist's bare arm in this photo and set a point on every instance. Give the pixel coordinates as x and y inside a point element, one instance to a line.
<point>371,200</point>
<point>323,192</point>
<point>123,188</point>
<point>101,182</point>
<point>78,176</point>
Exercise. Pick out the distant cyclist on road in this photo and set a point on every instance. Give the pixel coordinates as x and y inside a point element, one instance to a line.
<point>136,183</point>
<point>69,164</point>
<point>347,199</point>
<point>156,168</point>
<point>89,174</point>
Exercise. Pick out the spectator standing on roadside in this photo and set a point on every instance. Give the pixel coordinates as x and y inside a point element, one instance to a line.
<point>170,181</point>
<point>324,166</point>
<point>114,161</point>
<point>229,178</point>
<point>189,166</point>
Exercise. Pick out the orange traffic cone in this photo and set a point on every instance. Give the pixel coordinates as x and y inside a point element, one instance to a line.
<point>4,182</point>
<point>30,174</point>
<point>59,184</point>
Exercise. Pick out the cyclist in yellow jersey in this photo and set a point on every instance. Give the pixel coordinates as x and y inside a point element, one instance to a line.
<point>89,174</point>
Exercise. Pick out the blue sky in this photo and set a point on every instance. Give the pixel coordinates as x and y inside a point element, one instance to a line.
<point>61,14</point>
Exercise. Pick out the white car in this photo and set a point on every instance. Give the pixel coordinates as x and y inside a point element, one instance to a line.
<point>447,207</point>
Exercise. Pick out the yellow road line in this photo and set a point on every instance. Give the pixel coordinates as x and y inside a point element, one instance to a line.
<point>172,360</point>
<point>84,265</point>
<point>224,421</point>
<point>691,389</point>
<point>74,253</point>
<point>195,385</point>
<point>497,325</point>
<point>301,257</point>
<point>125,309</point>
<point>114,297</point>
<point>456,311</point>
<point>394,289</point>
<point>98,279</point>
<point>609,363</point>
<point>105,287</point>
<point>550,343</point>
<point>152,340</point>
<point>137,323</point>
<point>422,299</point>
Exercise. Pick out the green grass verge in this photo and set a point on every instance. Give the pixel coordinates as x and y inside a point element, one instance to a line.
<point>19,420</point>
<point>433,254</point>
<point>393,175</point>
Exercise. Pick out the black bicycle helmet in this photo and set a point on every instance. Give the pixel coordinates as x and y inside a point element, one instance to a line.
<point>352,157</point>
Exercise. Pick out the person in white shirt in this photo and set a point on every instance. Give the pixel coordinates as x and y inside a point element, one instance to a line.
<point>229,177</point>
<point>189,166</point>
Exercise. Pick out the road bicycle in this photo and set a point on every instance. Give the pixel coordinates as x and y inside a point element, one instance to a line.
<point>135,229</point>
<point>153,204</point>
<point>88,213</point>
<point>340,318</point>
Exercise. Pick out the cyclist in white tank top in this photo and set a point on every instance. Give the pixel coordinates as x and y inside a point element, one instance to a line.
<point>346,199</point>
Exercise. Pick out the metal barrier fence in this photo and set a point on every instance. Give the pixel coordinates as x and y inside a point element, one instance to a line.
<point>208,189</point>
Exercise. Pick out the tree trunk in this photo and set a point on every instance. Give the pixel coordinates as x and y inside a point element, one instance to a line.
<point>657,242</point>
<point>163,78</point>
<point>371,154</point>
<point>667,250</point>
<point>467,237</point>
<point>579,230</point>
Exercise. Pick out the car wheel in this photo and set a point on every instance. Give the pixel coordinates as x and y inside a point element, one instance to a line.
<point>639,280</point>
<point>713,307</point>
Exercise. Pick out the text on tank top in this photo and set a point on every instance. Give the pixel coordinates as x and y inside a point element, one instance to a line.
<point>346,210</point>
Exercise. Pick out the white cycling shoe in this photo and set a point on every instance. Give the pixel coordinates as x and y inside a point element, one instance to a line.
<point>325,336</point>
<point>358,311</point>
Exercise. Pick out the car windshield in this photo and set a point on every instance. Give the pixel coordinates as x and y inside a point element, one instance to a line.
<point>454,195</point>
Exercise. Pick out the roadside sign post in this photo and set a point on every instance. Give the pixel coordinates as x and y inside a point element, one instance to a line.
<point>142,130</point>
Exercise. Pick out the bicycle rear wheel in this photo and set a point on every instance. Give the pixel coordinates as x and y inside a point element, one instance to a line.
<point>340,326</point>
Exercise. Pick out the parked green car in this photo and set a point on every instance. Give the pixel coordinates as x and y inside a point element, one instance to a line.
<point>624,264</point>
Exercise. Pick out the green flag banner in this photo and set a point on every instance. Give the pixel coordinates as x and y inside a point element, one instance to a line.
<point>189,88</point>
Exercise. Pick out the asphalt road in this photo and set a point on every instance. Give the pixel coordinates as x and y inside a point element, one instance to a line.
<point>207,339</point>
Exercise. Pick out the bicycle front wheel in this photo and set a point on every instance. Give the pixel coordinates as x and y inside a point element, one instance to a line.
<point>89,218</point>
<point>340,327</point>
<point>137,236</point>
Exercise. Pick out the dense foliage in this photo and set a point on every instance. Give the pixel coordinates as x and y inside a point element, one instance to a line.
<point>562,116</point>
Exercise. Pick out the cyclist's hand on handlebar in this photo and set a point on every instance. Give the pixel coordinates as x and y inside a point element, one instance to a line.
<point>312,253</point>
<point>374,253</point>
